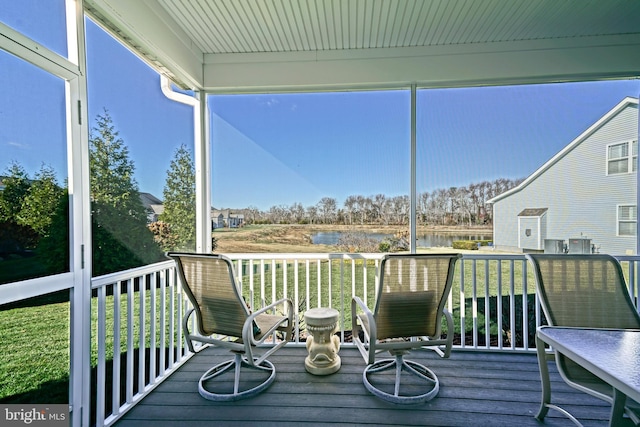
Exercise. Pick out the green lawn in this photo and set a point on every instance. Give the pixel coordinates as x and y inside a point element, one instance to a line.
<point>34,361</point>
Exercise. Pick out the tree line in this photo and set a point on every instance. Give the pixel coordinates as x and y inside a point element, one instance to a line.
<point>452,206</point>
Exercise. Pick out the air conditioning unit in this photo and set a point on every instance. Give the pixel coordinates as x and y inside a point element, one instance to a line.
<point>553,246</point>
<point>579,246</point>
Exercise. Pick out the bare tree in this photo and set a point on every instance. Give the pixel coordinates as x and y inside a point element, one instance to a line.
<point>439,205</point>
<point>253,212</point>
<point>312,214</point>
<point>327,206</point>
<point>399,209</point>
<point>350,207</point>
<point>297,213</point>
<point>364,209</point>
<point>422,207</point>
<point>378,211</point>
<point>276,214</point>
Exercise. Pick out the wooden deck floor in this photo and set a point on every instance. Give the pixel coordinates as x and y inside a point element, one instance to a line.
<point>476,389</point>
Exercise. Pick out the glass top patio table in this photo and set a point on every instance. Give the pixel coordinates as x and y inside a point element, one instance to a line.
<point>611,354</point>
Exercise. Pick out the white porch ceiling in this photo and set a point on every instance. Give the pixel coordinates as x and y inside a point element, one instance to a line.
<point>257,45</point>
<point>251,26</point>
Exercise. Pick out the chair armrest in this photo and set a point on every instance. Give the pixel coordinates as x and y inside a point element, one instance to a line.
<point>356,303</point>
<point>274,305</point>
<point>368,354</point>
<point>247,330</point>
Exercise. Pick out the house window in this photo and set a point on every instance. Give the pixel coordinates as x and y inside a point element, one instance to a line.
<point>627,220</point>
<point>621,159</point>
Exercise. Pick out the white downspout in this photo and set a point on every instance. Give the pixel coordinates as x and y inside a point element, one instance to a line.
<point>201,160</point>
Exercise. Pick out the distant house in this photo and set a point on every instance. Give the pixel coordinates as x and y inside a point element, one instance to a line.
<point>221,218</point>
<point>153,205</point>
<point>585,197</point>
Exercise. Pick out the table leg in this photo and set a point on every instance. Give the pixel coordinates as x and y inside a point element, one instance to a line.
<point>617,408</point>
<point>544,377</point>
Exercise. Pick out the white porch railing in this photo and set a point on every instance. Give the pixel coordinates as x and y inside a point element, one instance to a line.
<point>132,310</point>
<point>141,309</point>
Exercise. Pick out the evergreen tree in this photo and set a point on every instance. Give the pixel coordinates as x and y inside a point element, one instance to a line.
<point>40,201</point>
<point>14,237</point>
<point>112,181</point>
<point>121,239</point>
<point>16,186</point>
<point>56,244</point>
<point>180,202</point>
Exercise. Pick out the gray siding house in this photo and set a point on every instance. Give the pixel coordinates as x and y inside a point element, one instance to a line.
<point>226,218</point>
<point>583,197</point>
<point>219,218</point>
<point>153,205</point>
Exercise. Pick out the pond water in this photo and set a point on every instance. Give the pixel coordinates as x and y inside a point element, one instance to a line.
<point>424,240</point>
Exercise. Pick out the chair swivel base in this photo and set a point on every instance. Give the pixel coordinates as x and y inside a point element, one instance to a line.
<point>399,365</point>
<point>237,364</point>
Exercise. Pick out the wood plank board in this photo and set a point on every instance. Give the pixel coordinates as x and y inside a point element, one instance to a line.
<point>476,389</point>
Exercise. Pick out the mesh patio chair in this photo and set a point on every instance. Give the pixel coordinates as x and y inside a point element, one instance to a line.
<point>410,298</point>
<point>581,291</point>
<point>224,320</point>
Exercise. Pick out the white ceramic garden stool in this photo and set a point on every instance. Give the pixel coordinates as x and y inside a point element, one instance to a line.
<point>322,344</point>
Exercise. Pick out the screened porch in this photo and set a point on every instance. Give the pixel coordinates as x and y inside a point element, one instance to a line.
<point>127,362</point>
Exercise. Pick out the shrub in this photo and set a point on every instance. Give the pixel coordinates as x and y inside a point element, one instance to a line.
<point>468,323</point>
<point>518,314</point>
<point>399,242</point>
<point>465,244</point>
<point>163,235</point>
<point>357,242</point>
<point>384,246</point>
<point>505,315</point>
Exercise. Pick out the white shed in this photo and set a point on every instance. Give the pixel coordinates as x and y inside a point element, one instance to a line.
<point>532,228</point>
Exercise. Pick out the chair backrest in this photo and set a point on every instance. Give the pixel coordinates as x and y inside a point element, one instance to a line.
<point>210,285</point>
<point>583,291</point>
<point>412,291</point>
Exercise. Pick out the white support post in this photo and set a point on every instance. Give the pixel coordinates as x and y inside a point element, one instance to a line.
<point>203,176</point>
<point>413,196</point>
<point>80,219</point>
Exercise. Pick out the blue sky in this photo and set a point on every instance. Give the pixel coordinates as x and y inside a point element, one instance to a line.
<point>282,149</point>
<point>301,147</point>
